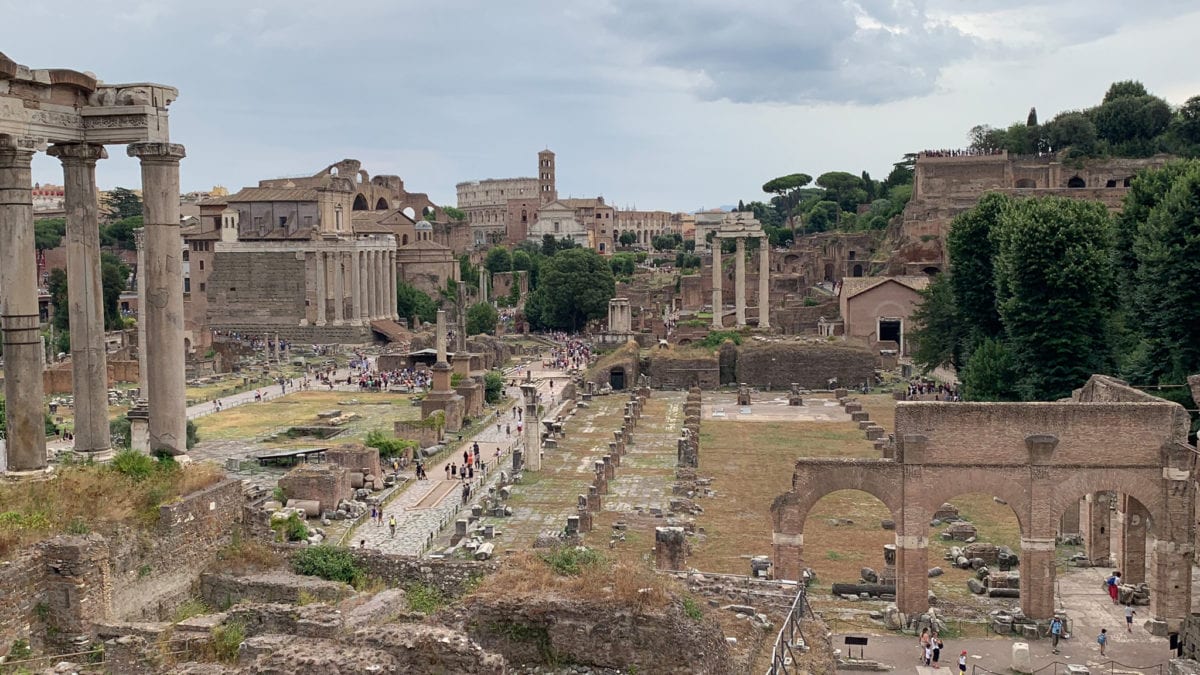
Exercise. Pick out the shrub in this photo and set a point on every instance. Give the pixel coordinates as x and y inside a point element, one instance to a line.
<point>715,338</point>
<point>193,437</point>
<point>691,608</point>
<point>493,386</point>
<point>292,529</point>
<point>134,464</point>
<point>328,563</point>
<point>388,446</point>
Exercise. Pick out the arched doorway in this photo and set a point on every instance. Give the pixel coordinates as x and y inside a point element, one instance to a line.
<point>858,271</point>
<point>970,518</point>
<point>1076,182</point>
<point>931,271</point>
<point>829,272</point>
<point>845,533</point>
<point>360,203</point>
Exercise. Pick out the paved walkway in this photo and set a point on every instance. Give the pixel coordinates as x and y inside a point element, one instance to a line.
<point>424,508</point>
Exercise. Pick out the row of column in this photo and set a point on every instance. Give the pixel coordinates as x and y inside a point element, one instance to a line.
<point>739,288</point>
<point>161,303</point>
<point>355,287</point>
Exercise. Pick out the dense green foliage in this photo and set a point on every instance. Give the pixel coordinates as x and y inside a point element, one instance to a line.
<point>114,275</point>
<point>1128,122</point>
<point>481,318</point>
<point>493,386</point>
<point>498,260</point>
<point>454,213</point>
<point>387,444</point>
<point>48,233</point>
<point>1045,292</point>
<point>833,203</point>
<point>123,203</point>
<point>574,287</point>
<point>412,302</point>
<point>329,563</point>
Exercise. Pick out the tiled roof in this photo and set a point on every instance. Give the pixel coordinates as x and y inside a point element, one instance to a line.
<point>852,286</point>
<point>272,194</point>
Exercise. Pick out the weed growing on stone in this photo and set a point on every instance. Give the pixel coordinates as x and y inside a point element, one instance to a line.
<point>226,640</point>
<point>191,607</point>
<point>292,528</point>
<point>424,598</point>
<point>692,608</point>
<point>242,556</point>
<point>572,560</point>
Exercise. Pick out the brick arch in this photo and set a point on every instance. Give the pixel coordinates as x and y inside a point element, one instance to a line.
<point>1147,489</point>
<point>985,482</point>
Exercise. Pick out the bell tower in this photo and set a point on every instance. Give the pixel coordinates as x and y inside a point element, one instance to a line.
<point>547,192</point>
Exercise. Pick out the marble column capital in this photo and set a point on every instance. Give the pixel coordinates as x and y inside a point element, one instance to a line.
<point>156,152</point>
<point>21,144</point>
<point>77,153</point>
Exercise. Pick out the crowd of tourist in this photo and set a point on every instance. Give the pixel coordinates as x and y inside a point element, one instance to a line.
<point>940,391</point>
<point>963,152</point>
<point>255,342</point>
<point>572,354</point>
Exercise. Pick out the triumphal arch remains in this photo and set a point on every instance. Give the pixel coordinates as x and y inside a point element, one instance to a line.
<point>1045,460</point>
<point>72,116</point>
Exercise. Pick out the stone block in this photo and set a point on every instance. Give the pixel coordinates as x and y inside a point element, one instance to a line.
<point>326,484</point>
<point>1022,660</point>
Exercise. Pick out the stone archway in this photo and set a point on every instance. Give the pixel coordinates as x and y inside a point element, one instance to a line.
<point>360,203</point>
<point>381,205</point>
<point>1076,182</point>
<point>1039,457</point>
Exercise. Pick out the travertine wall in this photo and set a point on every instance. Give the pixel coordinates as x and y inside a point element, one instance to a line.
<point>811,365</point>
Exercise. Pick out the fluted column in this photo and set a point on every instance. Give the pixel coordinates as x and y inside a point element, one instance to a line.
<point>393,276</point>
<point>717,280</point>
<point>364,294</point>
<point>139,238</point>
<point>739,281</point>
<point>764,282</point>
<point>164,295</point>
<point>319,263</point>
<point>23,389</point>
<point>339,290</point>
<point>379,313</point>
<point>85,295</point>
<point>351,281</point>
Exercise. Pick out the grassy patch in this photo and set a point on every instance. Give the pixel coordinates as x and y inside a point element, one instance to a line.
<point>635,586</point>
<point>424,598</point>
<point>572,560</point>
<point>192,607</point>
<point>692,608</point>
<point>81,498</point>
<point>257,420</point>
<point>227,639</point>
<point>242,556</point>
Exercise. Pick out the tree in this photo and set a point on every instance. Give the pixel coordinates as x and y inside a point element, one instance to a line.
<point>784,185</point>
<point>549,245</point>
<point>123,203</point>
<point>937,323</point>
<point>622,264</point>
<point>1071,129</point>
<point>119,233</point>
<point>1031,120</point>
<point>468,272</point>
<point>990,374</point>
<point>412,302</point>
<point>627,238</point>
<point>521,261</point>
<point>844,188</point>
<point>498,260</point>
<point>972,251</point>
<point>1189,120</point>
<point>1132,118</point>
<point>481,318</point>
<point>1166,290</point>
<point>454,213</point>
<point>575,287</point>
<point>1055,292</point>
<point>1124,89</point>
<point>114,277</point>
<point>823,216</point>
<point>48,233</point>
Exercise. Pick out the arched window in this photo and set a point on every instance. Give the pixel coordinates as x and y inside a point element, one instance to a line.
<point>360,203</point>
<point>858,271</point>
<point>404,240</point>
<point>381,205</point>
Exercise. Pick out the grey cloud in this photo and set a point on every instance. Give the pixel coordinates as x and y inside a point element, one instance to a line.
<point>868,52</point>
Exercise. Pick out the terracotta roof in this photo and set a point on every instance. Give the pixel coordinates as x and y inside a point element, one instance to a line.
<point>852,286</point>
<point>271,194</point>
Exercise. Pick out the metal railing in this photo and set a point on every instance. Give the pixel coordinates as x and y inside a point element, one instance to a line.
<point>786,650</point>
<point>1111,667</point>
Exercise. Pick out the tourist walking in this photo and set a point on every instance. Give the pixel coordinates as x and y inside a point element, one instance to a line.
<point>1102,640</point>
<point>1113,583</point>
<point>392,524</point>
<point>923,644</point>
<point>1056,626</point>
<point>937,649</point>
<point>962,662</point>
<point>1129,618</point>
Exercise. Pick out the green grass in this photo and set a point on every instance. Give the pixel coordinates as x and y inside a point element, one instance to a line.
<point>424,598</point>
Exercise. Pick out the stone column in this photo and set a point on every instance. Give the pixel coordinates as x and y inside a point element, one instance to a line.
<point>23,388</point>
<point>364,309</point>
<point>85,295</point>
<point>1037,577</point>
<point>764,282</point>
<point>351,282</point>
<point>164,295</point>
<point>139,238</point>
<point>380,285</point>
<point>368,286</point>
<point>393,279</point>
<point>1096,516</point>
<point>533,432</point>
<point>717,280</point>
<point>739,281</point>
<point>670,548</point>
<point>339,289</point>
<point>319,262</point>
<point>1132,541</point>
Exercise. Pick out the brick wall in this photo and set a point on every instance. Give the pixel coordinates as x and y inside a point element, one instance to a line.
<point>683,371</point>
<point>21,586</point>
<point>60,380</point>
<point>452,577</point>
<point>261,288</point>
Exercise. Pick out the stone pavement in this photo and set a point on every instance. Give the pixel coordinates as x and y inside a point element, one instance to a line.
<point>420,522</point>
<point>647,470</point>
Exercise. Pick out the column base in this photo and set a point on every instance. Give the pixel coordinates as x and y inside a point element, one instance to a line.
<point>337,322</point>
<point>104,455</point>
<point>319,323</point>
<point>32,474</point>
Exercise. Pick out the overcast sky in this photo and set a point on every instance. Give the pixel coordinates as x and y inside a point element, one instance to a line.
<point>654,104</point>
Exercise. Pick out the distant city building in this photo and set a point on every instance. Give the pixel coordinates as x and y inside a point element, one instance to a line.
<point>500,210</point>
